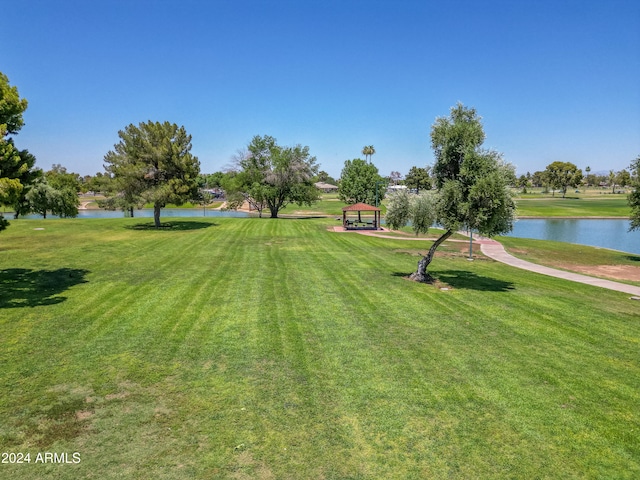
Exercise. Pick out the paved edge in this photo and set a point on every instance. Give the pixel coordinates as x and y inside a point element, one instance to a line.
<point>496,251</point>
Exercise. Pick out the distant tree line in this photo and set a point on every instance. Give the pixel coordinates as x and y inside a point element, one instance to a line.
<point>152,164</point>
<point>23,187</point>
<point>560,175</point>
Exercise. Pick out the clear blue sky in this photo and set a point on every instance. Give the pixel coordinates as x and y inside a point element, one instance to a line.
<point>553,80</point>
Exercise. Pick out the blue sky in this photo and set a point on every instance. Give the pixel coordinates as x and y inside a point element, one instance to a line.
<point>553,80</point>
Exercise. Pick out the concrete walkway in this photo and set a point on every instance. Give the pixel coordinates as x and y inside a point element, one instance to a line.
<point>496,251</point>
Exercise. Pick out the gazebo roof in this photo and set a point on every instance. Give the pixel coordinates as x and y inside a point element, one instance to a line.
<point>360,207</point>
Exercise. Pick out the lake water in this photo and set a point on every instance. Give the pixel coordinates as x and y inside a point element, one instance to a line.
<point>148,213</point>
<point>606,233</point>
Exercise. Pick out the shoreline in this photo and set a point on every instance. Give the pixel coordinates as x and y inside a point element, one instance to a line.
<point>83,208</point>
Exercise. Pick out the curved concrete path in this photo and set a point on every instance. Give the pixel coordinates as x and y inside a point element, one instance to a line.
<point>496,251</point>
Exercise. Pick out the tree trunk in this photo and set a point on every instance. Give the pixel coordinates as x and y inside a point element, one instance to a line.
<point>421,275</point>
<point>156,215</point>
<point>274,213</point>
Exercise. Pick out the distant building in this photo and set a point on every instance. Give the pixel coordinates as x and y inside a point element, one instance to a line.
<point>326,187</point>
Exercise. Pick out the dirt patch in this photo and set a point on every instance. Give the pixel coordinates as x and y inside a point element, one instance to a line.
<point>83,415</point>
<point>614,272</point>
<point>413,253</point>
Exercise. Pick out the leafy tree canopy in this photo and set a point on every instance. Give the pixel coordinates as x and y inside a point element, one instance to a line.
<point>561,175</point>
<point>59,178</point>
<point>153,163</point>
<point>271,176</point>
<point>43,197</point>
<point>22,171</point>
<point>634,196</point>
<point>11,108</point>
<point>324,177</point>
<point>14,169</point>
<point>472,186</point>
<point>358,182</point>
<point>418,179</point>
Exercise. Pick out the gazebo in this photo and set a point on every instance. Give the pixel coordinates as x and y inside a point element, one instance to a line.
<point>360,223</point>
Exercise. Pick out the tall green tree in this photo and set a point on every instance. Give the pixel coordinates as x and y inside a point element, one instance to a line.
<point>368,151</point>
<point>472,185</point>
<point>11,161</point>
<point>153,163</point>
<point>25,172</point>
<point>59,178</point>
<point>271,176</point>
<point>634,196</point>
<point>635,169</point>
<point>365,152</point>
<point>358,182</point>
<point>612,181</point>
<point>98,182</point>
<point>324,177</point>
<point>623,178</point>
<point>44,197</point>
<point>418,179</point>
<point>398,209</point>
<point>561,175</point>
<point>11,108</point>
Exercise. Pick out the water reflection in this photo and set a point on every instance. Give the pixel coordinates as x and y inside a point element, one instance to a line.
<point>148,213</point>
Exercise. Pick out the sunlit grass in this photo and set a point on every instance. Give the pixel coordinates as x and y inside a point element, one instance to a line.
<point>574,257</point>
<point>259,348</point>
<point>574,206</point>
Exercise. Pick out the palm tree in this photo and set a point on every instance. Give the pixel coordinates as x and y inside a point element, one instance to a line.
<point>612,181</point>
<point>367,151</point>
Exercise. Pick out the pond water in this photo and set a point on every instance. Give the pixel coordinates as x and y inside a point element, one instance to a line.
<point>148,213</point>
<point>606,233</point>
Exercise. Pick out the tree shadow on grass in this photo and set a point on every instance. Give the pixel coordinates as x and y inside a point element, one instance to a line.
<point>301,216</point>
<point>472,281</point>
<point>21,287</point>
<point>633,258</point>
<point>171,226</point>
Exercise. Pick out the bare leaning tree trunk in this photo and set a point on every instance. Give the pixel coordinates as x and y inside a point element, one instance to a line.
<point>421,275</point>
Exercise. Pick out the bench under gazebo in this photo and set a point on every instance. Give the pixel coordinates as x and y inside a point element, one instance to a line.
<point>353,218</point>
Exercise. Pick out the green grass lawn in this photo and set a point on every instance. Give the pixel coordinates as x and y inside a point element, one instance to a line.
<point>275,349</point>
<point>603,205</point>
<point>569,256</point>
<point>590,204</point>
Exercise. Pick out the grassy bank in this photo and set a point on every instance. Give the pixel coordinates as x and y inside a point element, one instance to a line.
<point>574,206</point>
<point>258,348</point>
<point>592,204</point>
<point>598,262</point>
